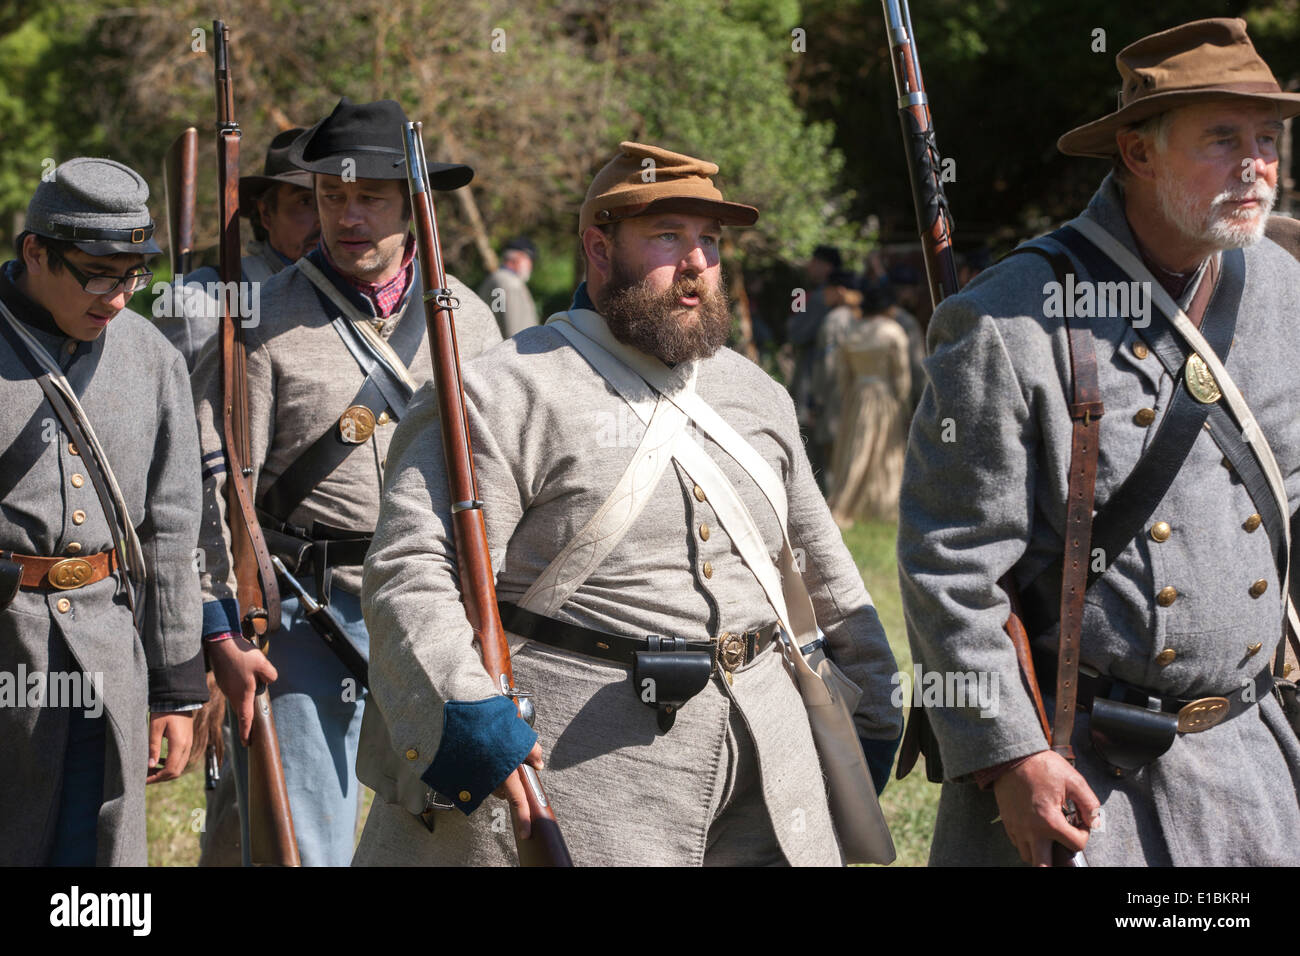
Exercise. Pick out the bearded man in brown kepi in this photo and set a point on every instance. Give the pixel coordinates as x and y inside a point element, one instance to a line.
<point>637,480</point>
<point>1081,437</point>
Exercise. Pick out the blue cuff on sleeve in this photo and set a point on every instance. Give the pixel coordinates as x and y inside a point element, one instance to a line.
<point>220,617</point>
<point>880,759</point>
<point>483,741</point>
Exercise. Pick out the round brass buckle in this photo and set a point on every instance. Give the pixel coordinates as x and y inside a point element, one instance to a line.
<point>731,650</point>
<point>356,424</point>
<point>70,573</point>
<point>1202,714</point>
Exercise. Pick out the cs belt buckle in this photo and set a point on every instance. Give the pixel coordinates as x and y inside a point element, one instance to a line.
<point>1202,714</point>
<point>70,573</point>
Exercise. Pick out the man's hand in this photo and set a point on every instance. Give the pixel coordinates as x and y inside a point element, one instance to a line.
<point>179,731</point>
<point>513,793</point>
<point>1030,797</point>
<point>237,666</point>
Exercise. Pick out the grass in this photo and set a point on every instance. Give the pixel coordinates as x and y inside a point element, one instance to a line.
<point>176,808</point>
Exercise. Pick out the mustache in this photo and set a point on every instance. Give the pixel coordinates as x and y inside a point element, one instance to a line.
<point>1259,192</point>
<point>688,285</point>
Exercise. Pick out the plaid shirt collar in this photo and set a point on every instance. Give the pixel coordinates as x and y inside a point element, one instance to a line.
<point>385,297</point>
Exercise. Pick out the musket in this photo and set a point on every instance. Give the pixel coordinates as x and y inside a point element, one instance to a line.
<point>924,166</point>
<point>545,846</point>
<point>934,221</point>
<point>180,180</point>
<point>270,820</point>
<point>327,626</point>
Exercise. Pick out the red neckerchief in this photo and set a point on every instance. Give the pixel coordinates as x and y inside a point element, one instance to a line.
<point>386,296</point>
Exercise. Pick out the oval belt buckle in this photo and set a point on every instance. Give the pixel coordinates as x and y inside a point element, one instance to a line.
<point>1202,714</point>
<point>70,573</point>
<point>1200,381</point>
<point>356,424</point>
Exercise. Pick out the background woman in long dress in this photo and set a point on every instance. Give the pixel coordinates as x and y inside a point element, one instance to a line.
<point>875,381</point>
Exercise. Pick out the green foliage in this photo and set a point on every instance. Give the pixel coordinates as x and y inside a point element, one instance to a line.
<point>689,64</point>
<point>43,103</point>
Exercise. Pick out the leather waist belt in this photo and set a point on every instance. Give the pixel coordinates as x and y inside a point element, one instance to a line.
<point>1195,714</point>
<point>317,551</point>
<point>63,574</point>
<point>729,650</point>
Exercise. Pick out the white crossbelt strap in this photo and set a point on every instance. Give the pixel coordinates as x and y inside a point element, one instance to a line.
<point>606,528</point>
<point>359,320</point>
<point>785,591</point>
<point>1251,433</point>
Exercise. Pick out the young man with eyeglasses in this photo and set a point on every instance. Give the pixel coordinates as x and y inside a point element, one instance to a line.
<point>100,613</point>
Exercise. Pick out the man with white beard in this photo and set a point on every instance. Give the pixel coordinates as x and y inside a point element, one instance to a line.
<point>1107,468</point>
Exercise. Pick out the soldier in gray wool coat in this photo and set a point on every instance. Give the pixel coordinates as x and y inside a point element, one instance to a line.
<point>1181,621</point>
<point>99,597</point>
<point>606,529</point>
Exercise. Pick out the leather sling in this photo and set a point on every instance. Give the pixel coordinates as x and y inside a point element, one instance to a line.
<point>1126,511</point>
<point>61,397</point>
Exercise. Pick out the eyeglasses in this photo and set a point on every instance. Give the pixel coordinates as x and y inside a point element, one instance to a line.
<point>105,285</point>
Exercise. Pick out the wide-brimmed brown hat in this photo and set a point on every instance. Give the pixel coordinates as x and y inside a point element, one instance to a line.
<point>1196,62</point>
<point>629,186</point>
<point>276,170</point>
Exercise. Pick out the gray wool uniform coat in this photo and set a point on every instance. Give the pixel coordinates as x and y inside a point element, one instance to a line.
<point>984,492</point>
<point>300,379</point>
<point>136,393</point>
<point>550,440</point>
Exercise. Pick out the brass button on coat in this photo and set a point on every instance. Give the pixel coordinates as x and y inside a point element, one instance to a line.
<point>699,493</point>
<point>704,532</point>
<point>64,605</point>
<point>1166,657</point>
<point>1253,649</point>
<point>1160,531</point>
<point>1252,522</point>
<point>72,448</point>
<point>1258,588</point>
<point>708,569</point>
<point>1140,350</point>
<point>1145,416</point>
<point>74,547</point>
<point>70,347</point>
<point>412,753</point>
<point>1166,596</point>
<point>77,481</point>
<point>464,796</point>
<point>78,516</point>
<point>383,418</point>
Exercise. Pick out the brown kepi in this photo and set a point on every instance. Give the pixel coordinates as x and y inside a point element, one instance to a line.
<point>1195,62</point>
<point>642,180</point>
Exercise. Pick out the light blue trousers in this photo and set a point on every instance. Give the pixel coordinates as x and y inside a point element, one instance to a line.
<point>317,706</point>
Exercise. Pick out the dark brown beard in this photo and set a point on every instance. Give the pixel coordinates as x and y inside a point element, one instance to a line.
<point>650,321</point>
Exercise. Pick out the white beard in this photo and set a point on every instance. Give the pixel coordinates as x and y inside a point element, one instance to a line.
<point>1223,227</point>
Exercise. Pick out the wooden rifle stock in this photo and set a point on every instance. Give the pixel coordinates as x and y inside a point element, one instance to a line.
<point>935,225</point>
<point>270,820</point>
<point>545,846</point>
<point>180,180</point>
